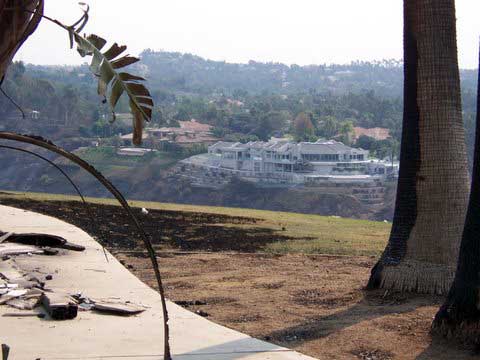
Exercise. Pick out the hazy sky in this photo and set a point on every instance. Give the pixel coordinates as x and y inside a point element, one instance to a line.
<point>288,31</point>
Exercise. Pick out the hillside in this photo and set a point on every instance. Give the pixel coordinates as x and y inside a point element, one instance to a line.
<point>179,73</point>
<point>150,179</point>
<point>242,102</point>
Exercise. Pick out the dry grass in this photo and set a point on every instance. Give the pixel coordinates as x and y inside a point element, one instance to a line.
<point>316,234</point>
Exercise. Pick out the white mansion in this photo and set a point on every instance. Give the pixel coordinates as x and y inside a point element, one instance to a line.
<point>280,161</point>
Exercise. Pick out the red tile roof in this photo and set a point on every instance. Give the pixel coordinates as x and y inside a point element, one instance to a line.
<point>194,125</point>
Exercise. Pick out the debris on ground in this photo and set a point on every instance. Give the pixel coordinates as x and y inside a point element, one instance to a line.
<point>118,308</point>
<point>59,306</point>
<point>202,313</point>
<point>375,354</point>
<point>26,293</point>
<point>18,249</point>
<point>108,306</point>
<point>187,303</point>
<point>5,351</point>
<point>40,240</point>
<point>25,314</point>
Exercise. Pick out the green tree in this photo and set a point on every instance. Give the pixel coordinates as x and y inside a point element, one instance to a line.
<point>328,127</point>
<point>366,142</point>
<point>346,132</point>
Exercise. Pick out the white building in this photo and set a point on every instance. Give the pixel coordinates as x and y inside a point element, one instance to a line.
<point>307,163</point>
<point>321,157</point>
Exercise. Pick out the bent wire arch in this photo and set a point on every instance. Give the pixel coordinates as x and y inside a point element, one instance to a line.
<point>89,211</point>
<point>48,145</point>
<point>51,163</point>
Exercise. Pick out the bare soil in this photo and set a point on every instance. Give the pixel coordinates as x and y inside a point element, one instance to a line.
<point>315,304</point>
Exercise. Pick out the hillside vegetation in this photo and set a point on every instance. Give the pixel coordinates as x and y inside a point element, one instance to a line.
<point>242,101</point>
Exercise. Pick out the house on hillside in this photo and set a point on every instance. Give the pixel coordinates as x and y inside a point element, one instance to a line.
<point>189,133</point>
<point>324,163</point>
<point>321,157</point>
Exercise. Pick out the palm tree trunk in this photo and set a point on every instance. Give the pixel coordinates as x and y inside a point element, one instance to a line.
<point>16,24</point>
<point>433,181</point>
<point>459,316</point>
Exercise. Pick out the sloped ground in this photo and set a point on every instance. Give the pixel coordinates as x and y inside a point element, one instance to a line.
<point>215,265</point>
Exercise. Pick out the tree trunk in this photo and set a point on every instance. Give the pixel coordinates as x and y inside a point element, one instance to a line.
<point>17,23</point>
<point>459,317</point>
<point>433,181</point>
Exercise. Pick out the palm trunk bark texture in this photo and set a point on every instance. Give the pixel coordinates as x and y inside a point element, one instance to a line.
<point>433,183</point>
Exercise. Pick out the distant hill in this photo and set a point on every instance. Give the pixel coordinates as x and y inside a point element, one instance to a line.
<point>187,73</point>
<point>190,73</point>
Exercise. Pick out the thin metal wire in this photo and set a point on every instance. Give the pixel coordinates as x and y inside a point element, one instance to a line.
<point>89,210</point>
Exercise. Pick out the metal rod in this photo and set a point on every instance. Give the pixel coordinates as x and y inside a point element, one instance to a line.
<point>39,141</point>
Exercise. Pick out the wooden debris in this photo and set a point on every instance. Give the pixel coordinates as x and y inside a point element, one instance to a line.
<point>4,237</point>
<point>43,240</point>
<point>108,306</point>
<point>59,306</point>
<point>8,249</point>
<point>27,284</point>
<point>25,314</point>
<point>9,271</point>
<point>49,251</point>
<point>117,308</point>
<point>12,294</point>
<point>24,303</point>
<point>33,293</point>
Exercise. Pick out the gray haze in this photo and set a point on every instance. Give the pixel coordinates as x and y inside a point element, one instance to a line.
<point>300,31</point>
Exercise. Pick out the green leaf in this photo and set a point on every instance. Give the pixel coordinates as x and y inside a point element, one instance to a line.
<point>95,65</point>
<point>116,93</point>
<point>106,75</point>
<point>112,84</point>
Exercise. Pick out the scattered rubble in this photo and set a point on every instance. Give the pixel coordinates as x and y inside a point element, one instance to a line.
<point>26,293</point>
<point>118,308</point>
<point>59,306</point>
<point>108,306</point>
<point>14,249</point>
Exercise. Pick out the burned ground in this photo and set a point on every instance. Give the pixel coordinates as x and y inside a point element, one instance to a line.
<point>192,231</point>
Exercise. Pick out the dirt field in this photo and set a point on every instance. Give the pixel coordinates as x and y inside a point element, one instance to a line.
<point>312,303</point>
